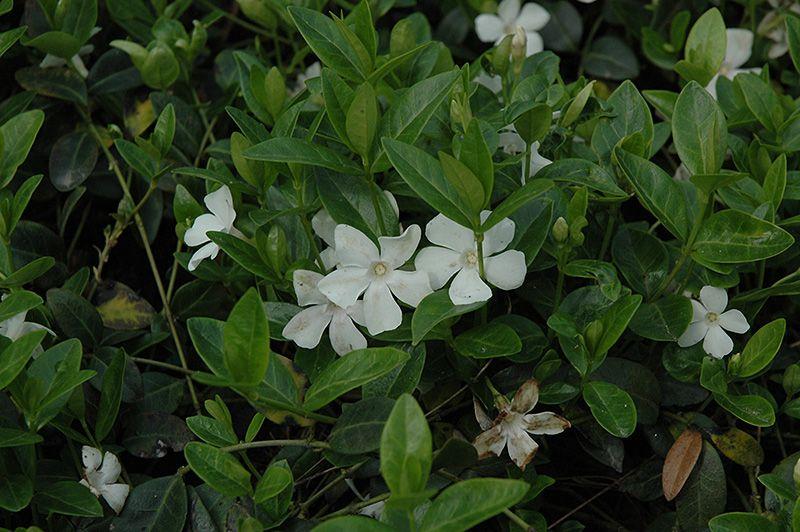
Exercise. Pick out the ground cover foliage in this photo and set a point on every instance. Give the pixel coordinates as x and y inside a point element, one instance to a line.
<point>399,265</point>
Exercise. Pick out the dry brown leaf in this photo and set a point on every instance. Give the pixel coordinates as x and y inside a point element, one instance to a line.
<point>680,462</point>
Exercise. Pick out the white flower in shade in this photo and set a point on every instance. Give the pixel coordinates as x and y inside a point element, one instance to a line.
<point>773,26</point>
<point>514,424</point>
<point>493,83</point>
<point>324,226</point>
<point>101,479</point>
<point>221,218</point>
<point>737,53</point>
<point>314,70</point>
<point>513,144</point>
<point>681,173</point>
<point>456,253</point>
<point>51,60</point>
<point>510,14</point>
<point>16,327</point>
<point>365,269</point>
<point>306,327</point>
<point>710,320</point>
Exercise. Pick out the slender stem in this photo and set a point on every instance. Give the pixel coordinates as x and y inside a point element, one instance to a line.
<point>275,443</point>
<point>518,520</point>
<point>160,364</point>
<point>358,506</point>
<point>322,491</point>
<point>277,405</point>
<point>612,218</point>
<point>526,170</point>
<point>755,497</point>
<point>666,282</point>
<point>173,274</point>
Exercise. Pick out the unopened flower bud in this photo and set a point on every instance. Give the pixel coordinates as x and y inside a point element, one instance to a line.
<point>519,44</point>
<point>560,230</point>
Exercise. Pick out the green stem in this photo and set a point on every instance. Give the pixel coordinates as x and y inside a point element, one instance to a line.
<point>275,443</point>
<point>160,364</point>
<point>526,170</point>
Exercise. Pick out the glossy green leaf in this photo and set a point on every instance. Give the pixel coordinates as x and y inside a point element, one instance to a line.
<point>219,469</point>
<point>246,337</point>
<point>406,448</point>
<point>612,407</point>
<point>759,350</point>
<point>732,237</point>
<point>699,130</point>
<point>469,503</point>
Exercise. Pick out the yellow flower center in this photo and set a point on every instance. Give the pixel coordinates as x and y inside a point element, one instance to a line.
<point>471,258</point>
<point>712,317</point>
<point>379,269</point>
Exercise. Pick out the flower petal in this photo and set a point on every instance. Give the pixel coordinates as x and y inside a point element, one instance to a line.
<point>740,47</point>
<point>115,495</point>
<point>508,11</point>
<point>92,458</point>
<point>537,161</point>
<point>489,28</point>
<point>717,342</point>
<point>196,234</point>
<point>546,423</point>
<point>439,263</point>
<point>324,226</point>
<point>220,203</point>
<point>13,326</point>
<point>698,311</point>
<point>521,448</point>
<point>344,336</point>
<point>498,237</point>
<point>444,232</point>
<point>210,250</point>
<point>356,312</point>
<point>714,299</point>
<point>506,270</point>
<point>328,256</point>
<point>305,288</point>
<point>381,310</point>
<point>306,327</point>
<point>343,286</point>
<point>490,442</point>
<point>511,142</point>
<point>535,43</point>
<point>409,287</point>
<point>468,287</point>
<point>734,321</point>
<point>526,397</point>
<point>711,88</point>
<point>110,470</point>
<point>533,17</point>
<point>694,333</point>
<point>354,248</point>
<point>396,250</point>
<point>480,415</point>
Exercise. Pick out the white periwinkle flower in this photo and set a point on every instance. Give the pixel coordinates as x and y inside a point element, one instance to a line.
<point>102,479</point>
<point>531,18</point>
<point>513,144</point>
<point>306,327</point>
<point>737,53</point>
<point>456,253</point>
<point>710,320</point>
<point>221,218</point>
<point>514,424</point>
<point>364,269</point>
<point>16,327</point>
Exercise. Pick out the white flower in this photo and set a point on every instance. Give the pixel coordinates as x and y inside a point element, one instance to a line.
<point>710,321</point>
<point>51,60</point>
<point>456,253</point>
<point>513,425</point>
<point>221,218</point>
<point>306,327</point>
<point>365,269</point>
<point>513,144</point>
<point>16,327</point>
<point>325,226</point>
<point>314,70</point>
<point>531,17</point>
<point>773,27</point>
<point>493,83</point>
<point>374,510</point>
<point>101,479</point>
<point>681,173</point>
<point>737,53</point>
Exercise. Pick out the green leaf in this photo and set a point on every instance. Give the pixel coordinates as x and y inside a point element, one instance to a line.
<point>16,492</point>
<point>138,159</point>
<point>468,503</point>
<point>615,321</point>
<point>329,43</point>
<point>110,396</point>
<point>663,320</point>
<point>157,504</point>
<point>741,522</point>
<point>68,497</point>
<point>425,176</point>
<point>534,123</point>
<point>520,197</point>
<point>492,340</point>
<point>699,130</point>
<point>761,99</point>
<point>58,43</point>
<point>752,409</point>
<point>338,98</point>
<point>352,523</point>
<point>733,237</point>
<point>164,130</point>
<point>361,121</point>
<point>246,335</point>
<point>72,159</point>
<point>17,303</point>
<point>15,356</point>
<point>349,200</point>
<point>434,309</point>
<point>16,438</point>
<point>475,155</point>
<point>631,115</point>
<point>406,448</point>
<point>793,36</point>
<point>712,375</point>
<point>467,185</point>
<point>657,191</point>
<point>8,38</point>
<point>58,83</point>
<point>612,407</point>
<point>704,494</point>
<point>211,430</point>
<point>760,350</point>
<point>275,480</point>
<point>291,150</point>
<point>358,429</point>
<point>705,48</point>
<point>583,173</point>
<point>351,371</point>
<point>75,316</point>
<point>17,134</point>
<point>244,253</point>
<point>218,469</point>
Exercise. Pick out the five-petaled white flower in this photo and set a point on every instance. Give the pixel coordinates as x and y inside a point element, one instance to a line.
<point>710,320</point>
<point>531,17</point>
<point>363,268</point>
<point>456,253</point>
<point>221,218</point>
<point>514,424</point>
<point>102,479</point>
<point>306,327</point>
<point>16,327</point>
<point>737,53</point>
<point>513,144</point>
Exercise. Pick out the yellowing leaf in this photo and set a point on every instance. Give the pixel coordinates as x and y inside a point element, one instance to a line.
<point>739,446</point>
<point>123,309</point>
<point>140,117</point>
